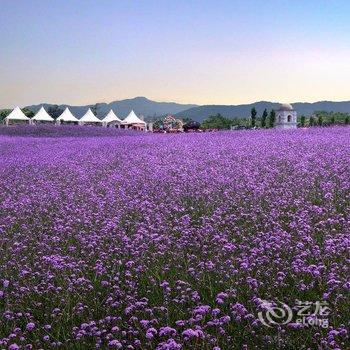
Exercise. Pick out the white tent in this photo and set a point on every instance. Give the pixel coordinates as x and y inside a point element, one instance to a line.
<point>89,117</point>
<point>132,118</point>
<point>67,117</point>
<point>16,116</point>
<point>42,116</point>
<point>111,118</point>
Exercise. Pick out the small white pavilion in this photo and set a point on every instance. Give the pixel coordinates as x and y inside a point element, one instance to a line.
<point>111,120</point>
<point>16,117</point>
<point>286,117</point>
<point>42,117</point>
<point>67,118</point>
<point>132,121</point>
<point>89,118</point>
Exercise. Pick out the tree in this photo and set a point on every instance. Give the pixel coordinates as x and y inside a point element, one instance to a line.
<point>347,120</point>
<point>320,120</point>
<point>28,112</point>
<point>217,122</point>
<point>158,124</point>
<point>55,111</point>
<point>4,113</point>
<point>263,119</point>
<point>302,120</point>
<point>272,118</point>
<point>186,120</point>
<point>312,121</point>
<point>94,108</point>
<point>332,121</point>
<point>253,117</point>
<point>192,125</point>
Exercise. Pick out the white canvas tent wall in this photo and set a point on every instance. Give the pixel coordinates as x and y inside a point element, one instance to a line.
<point>42,116</point>
<point>111,119</point>
<point>89,118</point>
<point>16,116</point>
<point>133,121</point>
<point>66,117</point>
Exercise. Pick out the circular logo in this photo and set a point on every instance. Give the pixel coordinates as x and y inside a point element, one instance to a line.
<point>273,314</point>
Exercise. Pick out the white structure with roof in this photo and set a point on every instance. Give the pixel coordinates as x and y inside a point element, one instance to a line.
<point>42,116</point>
<point>286,117</point>
<point>111,119</point>
<point>89,118</point>
<point>132,121</point>
<point>16,116</point>
<point>66,117</point>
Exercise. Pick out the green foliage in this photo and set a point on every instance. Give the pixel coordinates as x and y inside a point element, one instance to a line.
<point>253,114</point>
<point>4,113</point>
<point>272,118</point>
<point>312,121</point>
<point>187,120</point>
<point>263,118</point>
<point>320,120</point>
<point>347,120</point>
<point>302,120</point>
<point>158,124</point>
<point>217,122</point>
<point>331,118</point>
<point>28,112</point>
<point>55,111</point>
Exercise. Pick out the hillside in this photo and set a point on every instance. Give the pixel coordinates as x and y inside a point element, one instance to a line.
<point>141,105</point>
<point>199,113</point>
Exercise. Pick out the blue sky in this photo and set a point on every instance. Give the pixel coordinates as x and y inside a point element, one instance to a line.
<point>205,52</point>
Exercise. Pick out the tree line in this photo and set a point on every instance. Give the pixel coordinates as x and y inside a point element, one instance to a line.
<point>268,120</point>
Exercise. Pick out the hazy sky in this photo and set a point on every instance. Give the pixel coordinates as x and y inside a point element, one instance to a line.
<point>205,52</point>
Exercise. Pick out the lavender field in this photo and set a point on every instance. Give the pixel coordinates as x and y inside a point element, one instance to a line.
<point>139,241</point>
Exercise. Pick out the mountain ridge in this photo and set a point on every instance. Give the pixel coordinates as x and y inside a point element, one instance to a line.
<point>200,113</point>
<point>153,109</point>
<point>140,104</point>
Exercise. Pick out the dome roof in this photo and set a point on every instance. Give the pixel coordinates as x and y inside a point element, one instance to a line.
<point>285,107</point>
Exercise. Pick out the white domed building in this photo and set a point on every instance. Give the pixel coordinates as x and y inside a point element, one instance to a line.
<point>286,117</point>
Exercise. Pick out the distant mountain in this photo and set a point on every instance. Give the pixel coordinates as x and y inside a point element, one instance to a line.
<point>141,105</point>
<point>200,113</point>
<point>151,109</point>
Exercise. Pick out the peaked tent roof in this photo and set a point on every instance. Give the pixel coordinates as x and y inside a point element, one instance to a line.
<point>67,116</point>
<point>111,117</point>
<point>89,117</point>
<point>17,114</point>
<point>132,118</point>
<point>43,115</point>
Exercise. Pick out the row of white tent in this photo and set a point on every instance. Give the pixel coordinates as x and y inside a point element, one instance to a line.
<point>68,117</point>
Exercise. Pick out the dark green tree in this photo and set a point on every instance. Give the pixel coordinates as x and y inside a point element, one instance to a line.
<point>312,121</point>
<point>4,113</point>
<point>217,122</point>
<point>302,121</point>
<point>253,114</point>
<point>263,118</point>
<point>95,108</point>
<point>320,120</point>
<point>55,111</point>
<point>28,112</point>
<point>347,120</point>
<point>332,121</point>
<point>272,118</point>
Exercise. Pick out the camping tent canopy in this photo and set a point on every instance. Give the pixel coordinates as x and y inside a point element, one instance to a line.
<point>17,114</point>
<point>132,118</point>
<point>42,115</point>
<point>111,117</point>
<point>89,117</point>
<point>67,116</point>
